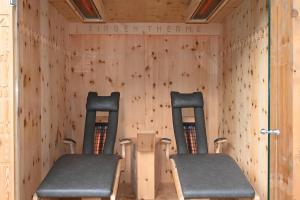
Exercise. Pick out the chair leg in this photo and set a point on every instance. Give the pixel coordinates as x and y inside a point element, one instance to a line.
<point>35,197</point>
<point>176,180</point>
<point>113,196</point>
<point>256,197</point>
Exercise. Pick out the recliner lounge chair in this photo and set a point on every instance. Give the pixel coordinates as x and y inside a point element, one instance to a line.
<point>86,174</point>
<point>202,175</point>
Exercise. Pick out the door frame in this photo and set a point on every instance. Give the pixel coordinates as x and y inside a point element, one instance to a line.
<point>7,100</point>
<point>281,100</point>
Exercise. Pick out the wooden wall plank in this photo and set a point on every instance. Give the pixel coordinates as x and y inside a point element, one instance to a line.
<point>245,90</point>
<point>41,91</point>
<point>7,102</point>
<point>281,147</point>
<point>296,104</point>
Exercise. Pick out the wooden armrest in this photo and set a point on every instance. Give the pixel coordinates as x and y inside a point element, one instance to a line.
<point>123,143</point>
<point>220,140</point>
<point>167,142</point>
<point>69,141</point>
<point>71,144</point>
<point>218,144</point>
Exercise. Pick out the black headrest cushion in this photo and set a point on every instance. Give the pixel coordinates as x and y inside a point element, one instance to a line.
<point>187,100</point>
<point>103,103</point>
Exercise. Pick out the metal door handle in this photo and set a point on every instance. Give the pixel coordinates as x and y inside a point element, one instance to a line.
<point>270,132</point>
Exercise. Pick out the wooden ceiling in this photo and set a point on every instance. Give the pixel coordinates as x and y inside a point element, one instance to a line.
<point>146,11</point>
<point>164,11</point>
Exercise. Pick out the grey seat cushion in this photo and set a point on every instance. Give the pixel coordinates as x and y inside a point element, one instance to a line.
<point>80,176</point>
<point>211,176</point>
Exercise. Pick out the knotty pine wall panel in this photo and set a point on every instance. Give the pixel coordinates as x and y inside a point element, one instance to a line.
<point>144,69</point>
<point>245,90</point>
<point>296,105</point>
<point>7,120</point>
<point>281,101</point>
<point>42,56</point>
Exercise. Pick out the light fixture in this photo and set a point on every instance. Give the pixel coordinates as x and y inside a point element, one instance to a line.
<point>206,10</point>
<point>87,10</point>
<point>13,2</point>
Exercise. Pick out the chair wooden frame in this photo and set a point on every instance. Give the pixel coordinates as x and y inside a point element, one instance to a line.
<point>167,142</point>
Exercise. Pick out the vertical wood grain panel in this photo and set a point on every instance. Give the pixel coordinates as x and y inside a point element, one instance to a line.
<point>7,122</point>
<point>245,92</point>
<point>184,64</point>
<point>281,148</point>
<point>41,113</point>
<point>296,104</point>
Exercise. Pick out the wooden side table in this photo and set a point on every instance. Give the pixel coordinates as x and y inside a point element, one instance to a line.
<point>146,165</point>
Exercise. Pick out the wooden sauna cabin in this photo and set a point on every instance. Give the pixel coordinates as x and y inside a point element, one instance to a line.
<point>242,56</point>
